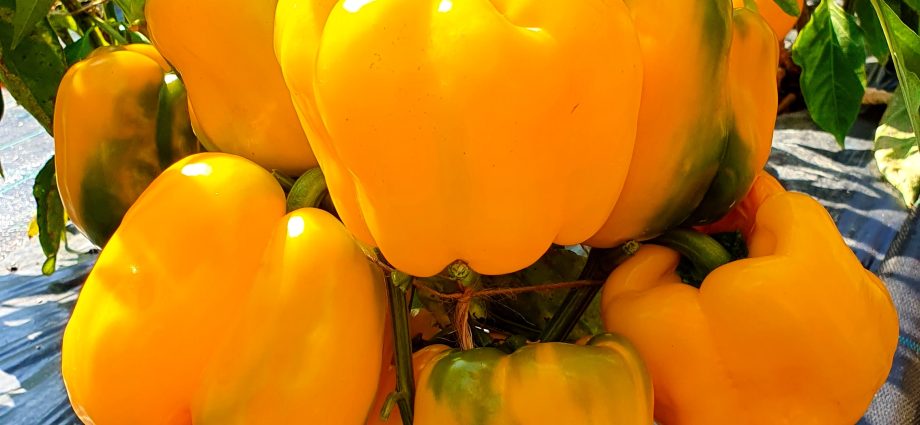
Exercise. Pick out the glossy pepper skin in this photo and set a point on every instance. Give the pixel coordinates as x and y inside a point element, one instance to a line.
<point>603,382</point>
<point>470,112</point>
<point>223,50</point>
<point>120,119</point>
<point>752,86</point>
<point>209,304</point>
<point>316,289</point>
<point>779,21</point>
<point>697,142</point>
<point>798,333</point>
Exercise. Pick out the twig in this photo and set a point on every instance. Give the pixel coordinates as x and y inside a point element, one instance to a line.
<point>493,292</point>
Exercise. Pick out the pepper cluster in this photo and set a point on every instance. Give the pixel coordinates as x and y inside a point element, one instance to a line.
<point>457,143</point>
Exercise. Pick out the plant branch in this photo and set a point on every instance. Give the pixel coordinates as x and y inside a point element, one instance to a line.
<point>399,315</point>
<point>601,263</point>
<point>112,32</point>
<point>494,292</point>
<point>84,20</point>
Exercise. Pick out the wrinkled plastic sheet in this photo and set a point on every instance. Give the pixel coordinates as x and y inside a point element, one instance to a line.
<point>881,230</point>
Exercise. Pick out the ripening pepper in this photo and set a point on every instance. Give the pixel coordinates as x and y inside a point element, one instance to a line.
<point>620,371</point>
<point>209,305</point>
<point>781,22</point>
<point>753,93</point>
<point>120,119</point>
<point>223,50</point>
<point>438,122</point>
<point>797,333</point>
<point>603,382</point>
<point>703,131</point>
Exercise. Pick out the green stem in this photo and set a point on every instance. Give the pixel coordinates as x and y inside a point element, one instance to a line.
<point>109,9</point>
<point>84,20</point>
<point>464,275</point>
<point>308,191</point>
<point>900,69</point>
<point>702,250</point>
<point>112,32</point>
<point>286,182</point>
<point>601,262</point>
<point>397,283</point>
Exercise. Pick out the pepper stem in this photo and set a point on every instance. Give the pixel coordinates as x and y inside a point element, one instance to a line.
<point>601,262</point>
<point>112,32</point>
<point>308,191</point>
<point>701,249</point>
<point>84,19</point>
<point>286,182</point>
<point>397,282</point>
<point>470,282</point>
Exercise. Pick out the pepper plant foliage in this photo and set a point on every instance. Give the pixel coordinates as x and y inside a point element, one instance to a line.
<point>39,39</point>
<point>832,51</point>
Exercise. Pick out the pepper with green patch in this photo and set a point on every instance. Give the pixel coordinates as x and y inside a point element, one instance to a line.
<point>602,382</point>
<point>706,116</point>
<point>121,118</point>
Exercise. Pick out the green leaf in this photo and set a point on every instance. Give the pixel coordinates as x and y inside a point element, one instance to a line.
<point>133,9</point>
<point>914,4</point>
<point>50,214</point>
<point>28,13</point>
<point>904,45</point>
<point>78,50</point>
<point>896,150</point>
<point>791,7</point>
<point>875,36</point>
<point>831,52</point>
<point>33,70</point>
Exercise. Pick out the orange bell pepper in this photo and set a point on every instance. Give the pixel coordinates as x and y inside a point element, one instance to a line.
<point>798,333</point>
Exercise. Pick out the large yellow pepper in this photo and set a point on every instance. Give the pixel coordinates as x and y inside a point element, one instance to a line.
<point>120,119</point>
<point>208,305</point>
<point>704,127</point>
<point>223,50</point>
<point>798,333</point>
<point>317,291</point>
<point>467,129</point>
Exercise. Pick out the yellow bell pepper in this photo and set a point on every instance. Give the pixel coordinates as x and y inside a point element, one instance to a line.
<point>706,121</point>
<point>603,382</point>
<point>209,305</point>
<point>752,85</point>
<point>437,122</point>
<point>798,333</point>
<point>120,119</point>
<point>289,362</point>
<point>223,50</point>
